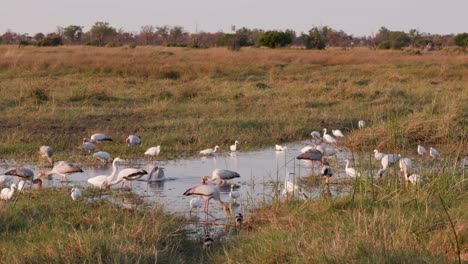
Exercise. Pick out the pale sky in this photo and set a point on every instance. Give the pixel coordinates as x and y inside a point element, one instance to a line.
<point>357,17</point>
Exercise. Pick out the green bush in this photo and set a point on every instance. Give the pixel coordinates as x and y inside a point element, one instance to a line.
<point>274,39</point>
<point>461,40</point>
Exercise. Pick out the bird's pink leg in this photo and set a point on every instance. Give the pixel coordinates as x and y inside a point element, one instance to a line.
<point>121,187</point>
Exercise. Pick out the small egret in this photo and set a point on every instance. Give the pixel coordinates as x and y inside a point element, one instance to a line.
<point>291,188</point>
<point>62,168</point>
<point>75,194</point>
<point>351,172</point>
<point>98,138</point>
<point>209,151</point>
<point>421,150</point>
<point>434,153</point>
<point>133,140</point>
<point>47,152</point>
<point>21,185</point>
<point>329,139</point>
<point>234,147</point>
<point>361,124</point>
<point>280,148</point>
<point>234,194</point>
<point>153,151</point>
<point>7,193</point>
<point>208,192</point>
<point>337,133</point>
<point>378,155</point>
<point>222,175</point>
<point>316,135</point>
<point>102,181</point>
<point>103,156</point>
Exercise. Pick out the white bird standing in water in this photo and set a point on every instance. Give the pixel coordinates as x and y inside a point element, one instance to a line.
<point>421,150</point>
<point>47,152</point>
<point>209,151</point>
<point>434,153</point>
<point>351,172</point>
<point>103,156</point>
<point>291,188</point>
<point>102,181</point>
<point>75,194</point>
<point>280,148</point>
<point>234,147</point>
<point>337,133</point>
<point>329,139</point>
<point>133,140</point>
<point>234,194</point>
<point>378,155</point>
<point>361,124</point>
<point>62,168</point>
<point>7,193</point>
<point>153,151</point>
<point>208,192</point>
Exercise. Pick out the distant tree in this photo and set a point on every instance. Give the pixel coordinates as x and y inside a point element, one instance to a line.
<point>317,38</point>
<point>9,37</point>
<point>73,33</point>
<point>52,39</point>
<point>274,39</point>
<point>147,35</point>
<point>175,33</point>
<point>39,36</point>
<point>163,33</point>
<point>398,39</point>
<point>101,33</point>
<point>461,40</point>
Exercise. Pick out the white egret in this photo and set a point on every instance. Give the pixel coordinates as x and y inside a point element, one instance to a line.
<point>280,148</point>
<point>351,172</point>
<point>195,203</point>
<point>7,193</point>
<point>153,151</point>
<point>329,139</point>
<point>405,167</point>
<point>234,194</point>
<point>337,133</point>
<point>292,188</point>
<point>378,155</point>
<point>209,151</point>
<point>233,148</point>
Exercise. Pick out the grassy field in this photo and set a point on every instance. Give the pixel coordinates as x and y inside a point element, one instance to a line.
<point>190,99</point>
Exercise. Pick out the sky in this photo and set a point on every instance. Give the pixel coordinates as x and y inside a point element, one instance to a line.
<point>357,17</point>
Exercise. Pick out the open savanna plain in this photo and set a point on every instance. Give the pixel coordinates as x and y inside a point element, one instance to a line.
<point>190,99</point>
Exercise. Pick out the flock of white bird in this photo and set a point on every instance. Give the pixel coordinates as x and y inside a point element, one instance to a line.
<point>207,190</point>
